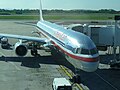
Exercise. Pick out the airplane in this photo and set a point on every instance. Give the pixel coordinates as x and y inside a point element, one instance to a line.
<point>77,48</point>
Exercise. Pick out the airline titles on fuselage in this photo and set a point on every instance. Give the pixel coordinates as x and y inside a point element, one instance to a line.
<point>60,35</point>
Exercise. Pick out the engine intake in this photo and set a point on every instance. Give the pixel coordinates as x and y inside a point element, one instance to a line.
<point>20,49</point>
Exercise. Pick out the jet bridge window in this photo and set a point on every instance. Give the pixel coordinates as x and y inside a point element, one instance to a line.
<point>78,29</point>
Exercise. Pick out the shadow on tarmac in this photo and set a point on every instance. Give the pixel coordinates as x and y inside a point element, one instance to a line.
<point>102,79</point>
<point>34,62</point>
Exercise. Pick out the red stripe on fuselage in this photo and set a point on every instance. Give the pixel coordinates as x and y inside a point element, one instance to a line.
<point>76,57</point>
<point>73,56</point>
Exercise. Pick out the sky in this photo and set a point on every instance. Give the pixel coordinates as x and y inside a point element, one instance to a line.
<point>61,4</point>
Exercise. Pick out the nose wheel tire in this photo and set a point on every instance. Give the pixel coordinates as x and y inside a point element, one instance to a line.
<point>77,79</point>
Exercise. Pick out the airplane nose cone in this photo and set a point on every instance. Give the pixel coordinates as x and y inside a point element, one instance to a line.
<point>90,67</point>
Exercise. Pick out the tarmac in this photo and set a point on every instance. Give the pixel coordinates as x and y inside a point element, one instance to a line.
<point>37,73</point>
<point>25,73</point>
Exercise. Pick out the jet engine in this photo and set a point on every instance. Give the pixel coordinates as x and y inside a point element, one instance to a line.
<point>4,43</point>
<point>20,49</point>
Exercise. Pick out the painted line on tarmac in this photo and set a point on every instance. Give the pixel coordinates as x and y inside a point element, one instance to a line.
<point>106,81</point>
<point>2,54</point>
<point>10,62</point>
<point>70,76</point>
<point>15,65</point>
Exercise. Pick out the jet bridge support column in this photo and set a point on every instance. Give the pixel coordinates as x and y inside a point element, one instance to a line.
<point>119,54</point>
<point>110,50</point>
<point>114,53</point>
<point>115,63</point>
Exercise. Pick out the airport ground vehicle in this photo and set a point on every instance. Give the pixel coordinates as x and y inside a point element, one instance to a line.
<point>61,84</point>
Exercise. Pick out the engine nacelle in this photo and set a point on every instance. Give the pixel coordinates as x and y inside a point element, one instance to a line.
<point>4,43</point>
<point>20,49</point>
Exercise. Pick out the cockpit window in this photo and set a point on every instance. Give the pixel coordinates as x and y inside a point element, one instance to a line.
<point>78,50</point>
<point>82,51</point>
<point>86,51</point>
<point>93,51</point>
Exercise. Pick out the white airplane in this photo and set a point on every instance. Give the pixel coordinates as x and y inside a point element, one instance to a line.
<point>77,48</point>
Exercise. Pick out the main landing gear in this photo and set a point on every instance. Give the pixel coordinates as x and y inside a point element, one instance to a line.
<point>34,51</point>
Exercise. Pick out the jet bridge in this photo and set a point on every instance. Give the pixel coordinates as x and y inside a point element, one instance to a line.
<point>102,35</point>
<point>106,37</point>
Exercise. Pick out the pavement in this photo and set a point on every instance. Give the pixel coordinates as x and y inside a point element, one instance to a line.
<point>25,73</point>
<point>31,73</point>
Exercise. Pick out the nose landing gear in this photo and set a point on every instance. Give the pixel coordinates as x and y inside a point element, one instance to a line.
<point>76,78</point>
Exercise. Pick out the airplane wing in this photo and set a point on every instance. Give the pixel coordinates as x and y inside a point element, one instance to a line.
<point>20,48</point>
<point>28,38</point>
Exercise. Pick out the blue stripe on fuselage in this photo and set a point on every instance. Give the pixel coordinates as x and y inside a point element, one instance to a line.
<point>51,36</point>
